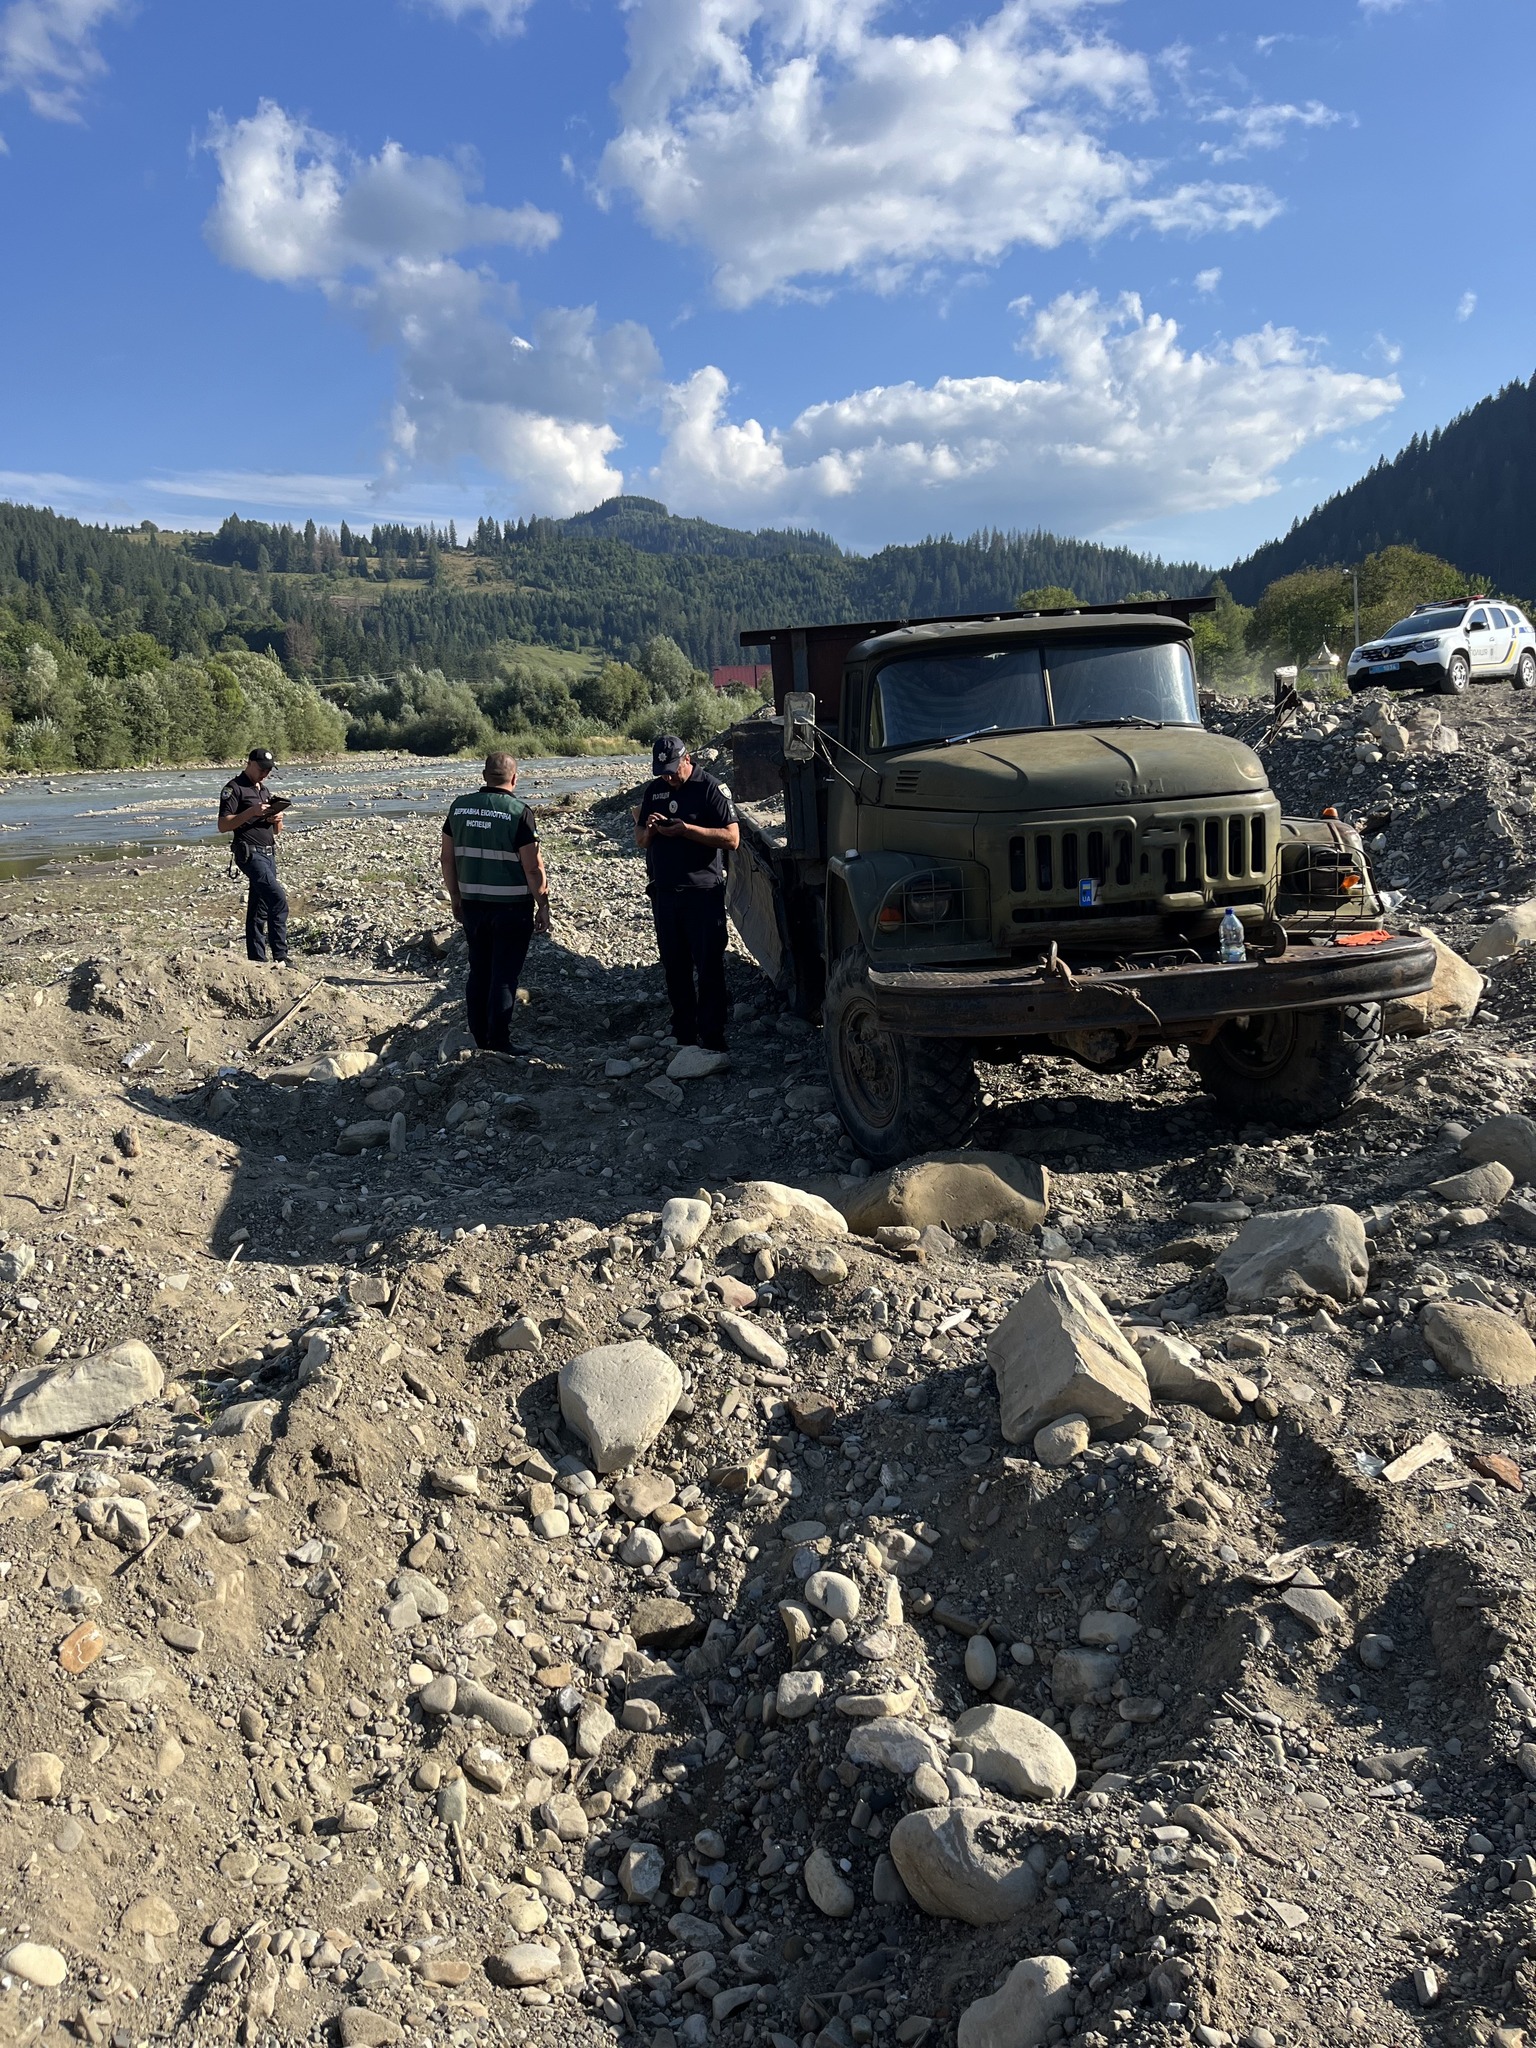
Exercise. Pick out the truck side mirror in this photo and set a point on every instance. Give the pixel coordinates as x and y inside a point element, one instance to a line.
<point>799,725</point>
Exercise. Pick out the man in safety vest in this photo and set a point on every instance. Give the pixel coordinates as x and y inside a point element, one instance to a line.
<point>496,882</point>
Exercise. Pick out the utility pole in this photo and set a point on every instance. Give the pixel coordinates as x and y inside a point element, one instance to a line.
<point>1354,575</point>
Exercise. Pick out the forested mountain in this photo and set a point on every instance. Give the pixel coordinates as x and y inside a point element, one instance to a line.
<point>1462,492</point>
<point>335,604</point>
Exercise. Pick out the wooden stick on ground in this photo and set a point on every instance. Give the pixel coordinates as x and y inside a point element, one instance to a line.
<point>287,1017</point>
<point>69,1191</point>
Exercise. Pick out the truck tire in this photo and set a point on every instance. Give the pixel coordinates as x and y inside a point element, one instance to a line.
<point>896,1096</point>
<point>1293,1067</point>
<point>1458,673</point>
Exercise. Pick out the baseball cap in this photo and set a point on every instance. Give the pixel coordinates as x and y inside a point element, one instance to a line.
<point>264,755</point>
<point>667,754</point>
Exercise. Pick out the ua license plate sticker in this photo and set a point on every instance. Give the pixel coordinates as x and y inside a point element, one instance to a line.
<point>1381,668</point>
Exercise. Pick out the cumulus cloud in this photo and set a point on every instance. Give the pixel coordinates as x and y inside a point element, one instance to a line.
<point>1263,125</point>
<point>296,207</point>
<point>48,51</point>
<point>501,17</point>
<point>529,399</point>
<point>794,140</point>
<point>1466,305</point>
<point>1207,280</point>
<point>1125,427</point>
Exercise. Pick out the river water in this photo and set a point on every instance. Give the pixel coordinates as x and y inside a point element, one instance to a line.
<point>49,821</point>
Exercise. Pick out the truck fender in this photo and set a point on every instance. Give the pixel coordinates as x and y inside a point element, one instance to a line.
<point>856,888</point>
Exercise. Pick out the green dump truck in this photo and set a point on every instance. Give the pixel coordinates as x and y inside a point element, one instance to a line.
<point>985,838</point>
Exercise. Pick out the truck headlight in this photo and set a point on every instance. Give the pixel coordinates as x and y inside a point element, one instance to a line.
<point>931,900</point>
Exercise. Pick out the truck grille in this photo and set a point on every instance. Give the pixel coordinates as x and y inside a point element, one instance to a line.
<point>1132,860</point>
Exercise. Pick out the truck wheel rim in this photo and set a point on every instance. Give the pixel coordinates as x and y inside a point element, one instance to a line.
<point>1259,1046</point>
<point>869,1064</point>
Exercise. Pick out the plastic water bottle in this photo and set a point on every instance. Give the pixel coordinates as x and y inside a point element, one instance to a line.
<point>1231,948</point>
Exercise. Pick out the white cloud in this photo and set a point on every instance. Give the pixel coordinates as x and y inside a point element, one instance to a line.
<point>1466,305</point>
<point>48,51</point>
<point>1127,427</point>
<point>501,17</point>
<point>380,237</point>
<point>1263,125</point>
<point>1207,280</point>
<point>792,140</point>
<point>296,207</point>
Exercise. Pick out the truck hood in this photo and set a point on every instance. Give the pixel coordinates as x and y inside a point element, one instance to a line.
<point>1064,769</point>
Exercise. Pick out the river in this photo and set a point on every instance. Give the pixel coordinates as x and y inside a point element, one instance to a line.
<point>48,821</point>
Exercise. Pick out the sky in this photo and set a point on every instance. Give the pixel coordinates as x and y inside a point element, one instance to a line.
<point>1164,273</point>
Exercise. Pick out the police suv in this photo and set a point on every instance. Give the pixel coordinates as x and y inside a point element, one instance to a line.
<point>1445,646</point>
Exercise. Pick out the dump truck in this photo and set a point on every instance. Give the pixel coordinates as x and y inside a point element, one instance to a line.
<point>986,838</point>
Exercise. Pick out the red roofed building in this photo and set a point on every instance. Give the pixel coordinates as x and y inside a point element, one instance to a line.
<point>749,675</point>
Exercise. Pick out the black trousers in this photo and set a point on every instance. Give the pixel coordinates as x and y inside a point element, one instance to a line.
<point>690,937</point>
<point>266,904</point>
<point>497,935</point>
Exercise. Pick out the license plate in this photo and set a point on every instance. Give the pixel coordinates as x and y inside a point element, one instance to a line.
<point>1383,668</point>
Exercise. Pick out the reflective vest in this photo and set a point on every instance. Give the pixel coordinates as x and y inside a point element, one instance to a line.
<point>487,829</point>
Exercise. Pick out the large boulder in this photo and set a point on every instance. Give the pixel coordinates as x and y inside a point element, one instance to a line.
<point>1299,1251</point>
<point>1450,1000</point>
<point>1511,1140</point>
<point>775,1202</point>
<point>1506,935</point>
<point>1015,1753</point>
<point>964,1863</point>
<point>1176,1373</point>
<point>617,1399</point>
<point>87,1393</point>
<point>1059,1352</point>
<point>1472,1343</point>
<point>1038,1993</point>
<point>954,1189</point>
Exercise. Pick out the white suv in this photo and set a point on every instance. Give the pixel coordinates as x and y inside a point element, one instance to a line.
<point>1445,646</point>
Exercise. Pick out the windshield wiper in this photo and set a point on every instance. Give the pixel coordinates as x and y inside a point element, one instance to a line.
<point>954,739</point>
<point>1127,718</point>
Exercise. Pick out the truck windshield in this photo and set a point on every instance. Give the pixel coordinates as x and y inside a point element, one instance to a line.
<point>929,697</point>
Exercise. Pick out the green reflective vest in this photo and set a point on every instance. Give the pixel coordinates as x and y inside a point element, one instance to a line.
<point>487,830</point>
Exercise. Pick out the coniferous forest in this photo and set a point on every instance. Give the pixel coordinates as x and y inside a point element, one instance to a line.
<point>123,645</point>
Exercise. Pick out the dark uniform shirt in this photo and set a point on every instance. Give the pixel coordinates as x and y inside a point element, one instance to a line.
<point>244,795</point>
<point>674,864</point>
<point>489,829</point>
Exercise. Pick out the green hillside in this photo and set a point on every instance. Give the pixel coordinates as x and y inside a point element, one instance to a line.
<point>333,604</point>
<point>1462,493</point>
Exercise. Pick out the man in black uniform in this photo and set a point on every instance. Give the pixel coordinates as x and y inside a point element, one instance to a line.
<point>686,826</point>
<point>255,819</point>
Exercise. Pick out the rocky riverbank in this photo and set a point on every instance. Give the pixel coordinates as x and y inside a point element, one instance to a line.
<point>531,1549</point>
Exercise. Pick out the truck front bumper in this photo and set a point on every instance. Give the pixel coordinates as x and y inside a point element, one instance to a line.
<point>1145,1003</point>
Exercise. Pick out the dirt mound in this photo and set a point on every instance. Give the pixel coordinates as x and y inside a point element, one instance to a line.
<point>347,1700</point>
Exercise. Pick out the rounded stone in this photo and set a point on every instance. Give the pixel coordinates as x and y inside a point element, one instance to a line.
<point>1013,1752</point>
<point>35,1963</point>
<point>830,1892</point>
<point>617,1398</point>
<point>548,1755</point>
<point>834,1594</point>
<point>981,1663</point>
<point>1062,1441</point>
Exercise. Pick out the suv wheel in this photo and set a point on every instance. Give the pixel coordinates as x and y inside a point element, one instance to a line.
<point>896,1096</point>
<point>1524,677</point>
<point>1292,1067</point>
<point>1458,673</point>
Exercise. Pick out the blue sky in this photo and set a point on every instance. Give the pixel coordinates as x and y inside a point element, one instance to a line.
<point>1166,272</point>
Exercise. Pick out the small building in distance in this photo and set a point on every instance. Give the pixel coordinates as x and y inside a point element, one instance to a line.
<point>747,675</point>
